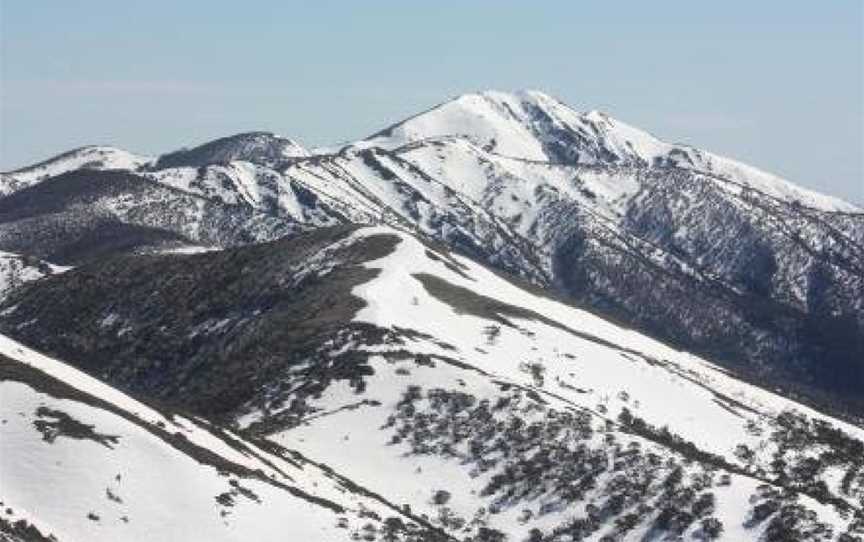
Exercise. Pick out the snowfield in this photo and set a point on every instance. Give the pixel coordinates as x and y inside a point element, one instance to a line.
<point>91,157</point>
<point>572,360</point>
<point>473,407</point>
<point>82,461</point>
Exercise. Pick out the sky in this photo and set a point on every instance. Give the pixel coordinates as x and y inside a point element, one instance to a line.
<point>778,84</point>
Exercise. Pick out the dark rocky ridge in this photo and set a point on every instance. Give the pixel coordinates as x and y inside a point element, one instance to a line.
<point>204,332</point>
<point>259,147</point>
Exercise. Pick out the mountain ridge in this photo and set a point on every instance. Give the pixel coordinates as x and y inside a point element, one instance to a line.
<point>689,246</point>
<point>499,98</point>
<point>480,409</point>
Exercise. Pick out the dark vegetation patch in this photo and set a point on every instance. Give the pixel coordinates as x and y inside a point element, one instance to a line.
<point>61,220</point>
<point>204,332</point>
<point>373,163</point>
<point>662,435</point>
<point>111,496</point>
<point>789,520</point>
<point>258,147</point>
<point>56,423</point>
<point>545,461</point>
<point>288,401</point>
<point>464,301</point>
<point>227,499</point>
<point>736,310</point>
<point>414,335</point>
<point>542,460</point>
<point>107,237</point>
<point>22,531</point>
<point>794,473</point>
<point>449,263</point>
<point>806,448</point>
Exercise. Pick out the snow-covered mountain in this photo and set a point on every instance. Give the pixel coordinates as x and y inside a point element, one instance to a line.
<point>81,461</point>
<point>719,257</point>
<point>533,126</point>
<point>553,326</point>
<point>92,157</point>
<point>85,215</point>
<point>481,407</point>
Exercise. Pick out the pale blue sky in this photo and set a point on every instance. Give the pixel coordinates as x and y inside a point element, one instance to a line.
<point>777,84</point>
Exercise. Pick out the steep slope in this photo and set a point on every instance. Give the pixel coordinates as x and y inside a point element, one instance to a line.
<point>375,186</point>
<point>492,409</point>
<point>531,125</point>
<point>82,461</point>
<point>258,187</point>
<point>693,258</point>
<point>552,416</point>
<point>360,186</point>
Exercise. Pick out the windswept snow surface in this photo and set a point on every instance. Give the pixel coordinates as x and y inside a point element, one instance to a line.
<point>608,352</point>
<point>484,335</point>
<point>534,126</point>
<point>82,461</point>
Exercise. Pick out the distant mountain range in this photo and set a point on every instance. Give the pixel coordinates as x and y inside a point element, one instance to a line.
<point>500,319</point>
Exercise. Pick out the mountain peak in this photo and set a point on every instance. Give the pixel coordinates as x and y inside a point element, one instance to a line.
<point>261,147</point>
<point>506,95</point>
<point>530,125</point>
<point>534,126</point>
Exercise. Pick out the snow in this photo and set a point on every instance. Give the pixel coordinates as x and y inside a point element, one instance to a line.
<point>93,157</point>
<point>503,124</point>
<point>482,118</point>
<point>396,298</point>
<point>483,161</point>
<point>16,270</point>
<point>664,397</point>
<point>598,365</point>
<point>165,494</point>
<point>499,124</point>
<point>743,175</point>
<point>515,189</point>
<point>142,487</point>
<point>188,249</point>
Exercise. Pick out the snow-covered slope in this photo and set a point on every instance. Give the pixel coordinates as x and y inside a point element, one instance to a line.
<point>533,126</point>
<point>80,460</point>
<point>493,406</point>
<point>485,406</point>
<point>91,157</point>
